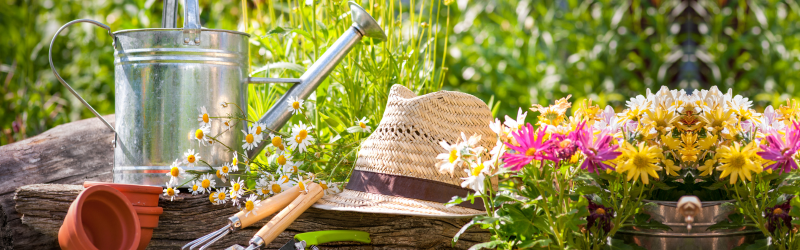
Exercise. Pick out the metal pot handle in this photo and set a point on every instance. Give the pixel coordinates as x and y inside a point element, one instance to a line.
<point>50,56</point>
<point>191,23</point>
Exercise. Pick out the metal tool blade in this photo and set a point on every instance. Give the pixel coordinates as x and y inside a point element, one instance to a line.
<point>235,247</point>
<point>289,245</point>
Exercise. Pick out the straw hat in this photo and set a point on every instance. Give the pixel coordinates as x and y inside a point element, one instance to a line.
<point>396,171</point>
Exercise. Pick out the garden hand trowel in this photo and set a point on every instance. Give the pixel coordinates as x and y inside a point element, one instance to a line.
<point>312,239</point>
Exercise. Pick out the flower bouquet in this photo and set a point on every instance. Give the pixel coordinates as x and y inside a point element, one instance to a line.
<point>573,181</point>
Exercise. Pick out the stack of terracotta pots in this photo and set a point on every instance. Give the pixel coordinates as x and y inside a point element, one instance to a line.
<point>111,216</point>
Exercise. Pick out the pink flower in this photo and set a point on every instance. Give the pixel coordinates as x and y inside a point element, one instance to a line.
<point>596,151</point>
<point>779,152</point>
<point>531,147</point>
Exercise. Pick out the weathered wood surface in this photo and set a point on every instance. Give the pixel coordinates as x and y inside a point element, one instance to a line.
<point>70,154</point>
<point>189,217</point>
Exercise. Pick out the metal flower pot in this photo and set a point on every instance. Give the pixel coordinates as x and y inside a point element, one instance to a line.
<point>697,237</point>
<point>164,75</point>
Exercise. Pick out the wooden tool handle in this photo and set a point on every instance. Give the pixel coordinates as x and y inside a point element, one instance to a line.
<point>282,220</point>
<point>269,206</point>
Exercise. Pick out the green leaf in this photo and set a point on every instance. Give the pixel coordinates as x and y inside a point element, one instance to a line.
<point>661,185</point>
<point>491,245</point>
<point>643,221</point>
<point>716,185</point>
<point>587,190</point>
<point>463,229</point>
<point>789,189</point>
<point>734,221</point>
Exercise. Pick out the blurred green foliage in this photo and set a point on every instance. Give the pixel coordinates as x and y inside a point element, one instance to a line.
<point>523,52</point>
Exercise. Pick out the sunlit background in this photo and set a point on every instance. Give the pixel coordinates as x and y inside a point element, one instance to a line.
<point>509,53</point>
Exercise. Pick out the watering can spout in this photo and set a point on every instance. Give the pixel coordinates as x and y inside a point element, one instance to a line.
<point>363,26</point>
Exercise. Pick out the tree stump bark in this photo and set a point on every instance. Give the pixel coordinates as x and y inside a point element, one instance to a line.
<point>189,217</point>
<point>70,154</point>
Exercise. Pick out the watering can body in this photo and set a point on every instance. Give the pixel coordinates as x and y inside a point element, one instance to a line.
<point>163,76</point>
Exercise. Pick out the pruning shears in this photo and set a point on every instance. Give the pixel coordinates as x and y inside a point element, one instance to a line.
<point>310,240</point>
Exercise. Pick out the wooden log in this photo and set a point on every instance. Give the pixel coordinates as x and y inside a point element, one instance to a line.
<point>189,217</point>
<point>70,154</point>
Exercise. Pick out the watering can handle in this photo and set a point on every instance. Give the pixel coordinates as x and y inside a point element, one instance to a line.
<point>55,72</point>
<point>191,23</point>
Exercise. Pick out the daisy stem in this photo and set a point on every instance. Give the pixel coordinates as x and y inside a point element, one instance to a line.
<point>546,206</point>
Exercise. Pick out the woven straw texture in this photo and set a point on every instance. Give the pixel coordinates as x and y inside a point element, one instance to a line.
<point>406,143</point>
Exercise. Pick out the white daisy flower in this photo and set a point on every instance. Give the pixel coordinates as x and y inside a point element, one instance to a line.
<point>222,175</point>
<point>249,139</point>
<point>292,167</point>
<point>235,159</point>
<point>283,160</point>
<point>263,187</point>
<point>222,196</point>
<point>223,104</point>
<point>302,184</point>
<point>329,188</point>
<point>171,192</point>
<point>295,105</point>
<point>301,137</point>
<point>196,188</point>
<point>206,183</point>
<point>175,172</point>
<point>275,188</point>
<point>225,169</point>
<point>250,205</point>
<point>519,122</point>
<point>237,188</point>
<point>451,159</point>
<point>191,157</point>
<point>234,200</point>
<point>203,118</point>
<point>498,127</point>
<point>201,135</point>
<point>361,126</point>
<point>476,177</point>
<point>227,125</point>
<point>259,131</point>
<point>277,142</point>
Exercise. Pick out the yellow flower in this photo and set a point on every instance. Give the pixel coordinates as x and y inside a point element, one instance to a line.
<point>737,161</point>
<point>716,120</point>
<point>789,112</point>
<point>706,143</point>
<point>554,114</point>
<point>671,168</point>
<point>641,162</point>
<point>707,168</point>
<point>671,143</point>
<point>688,149</point>
<point>659,119</point>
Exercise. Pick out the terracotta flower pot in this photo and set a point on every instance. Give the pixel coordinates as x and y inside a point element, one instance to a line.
<point>100,218</point>
<point>138,195</point>
<point>148,219</point>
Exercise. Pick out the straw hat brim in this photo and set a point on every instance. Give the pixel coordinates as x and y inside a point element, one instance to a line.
<point>357,201</point>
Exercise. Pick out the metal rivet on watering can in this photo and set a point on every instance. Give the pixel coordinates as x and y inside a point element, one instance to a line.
<point>689,206</point>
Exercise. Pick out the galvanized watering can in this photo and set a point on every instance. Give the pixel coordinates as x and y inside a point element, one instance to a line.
<point>164,75</point>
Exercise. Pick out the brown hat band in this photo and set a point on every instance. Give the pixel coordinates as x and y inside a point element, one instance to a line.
<point>409,187</point>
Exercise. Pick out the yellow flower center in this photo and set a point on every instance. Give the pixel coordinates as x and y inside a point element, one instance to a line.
<point>258,130</point>
<point>362,125</point>
<point>170,192</point>
<point>530,152</point>
<point>324,186</point>
<point>298,139</point>
<point>206,183</point>
<point>296,105</point>
<point>249,138</point>
<point>212,196</point>
<point>777,211</point>
<point>281,160</point>
<point>194,187</point>
<point>227,123</point>
<point>600,211</point>
<point>205,118</point>
<point>236,187</point>
<point>219,175</point>
<point>199,134</point>
<point>249,205</point>
<point>221,196</point>
<point>277,142</point>
<point>453,156</point>
<point>477,169</point>
<point>302,185</point>
<point>640,161</point>
<point>264,190</point>
<point>174,171</point>
<point>191,158</point>
<point>225,169</point>
<point>285,179</point>
<point>235,161</point>
<point>737,161</point>
<point>276,188</point>
<point>302,134</point>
